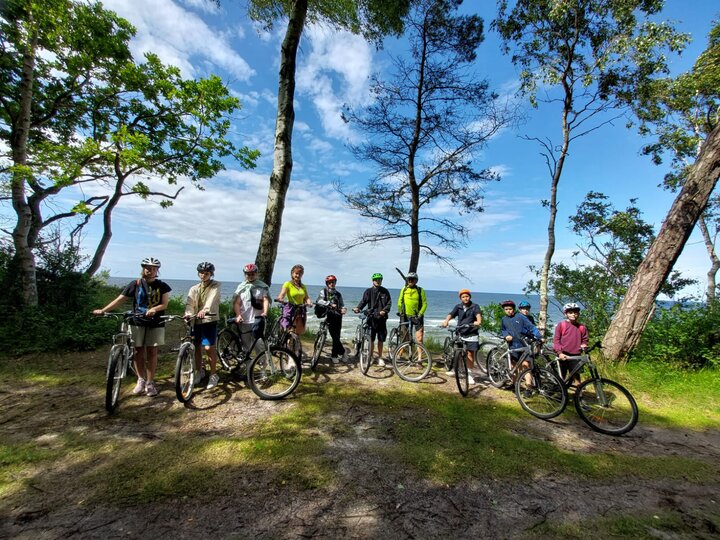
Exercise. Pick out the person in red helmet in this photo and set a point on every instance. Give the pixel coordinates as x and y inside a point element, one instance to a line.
<point>330,301</point>
<point>251,304</point>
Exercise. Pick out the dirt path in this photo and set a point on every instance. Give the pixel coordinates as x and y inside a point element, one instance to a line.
<point>366,499</point>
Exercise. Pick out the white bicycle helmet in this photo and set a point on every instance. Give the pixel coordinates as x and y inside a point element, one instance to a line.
<point>150,261</point>
<point>570,306</point>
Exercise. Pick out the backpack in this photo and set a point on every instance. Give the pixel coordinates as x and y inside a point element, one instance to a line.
<point>321,311</point>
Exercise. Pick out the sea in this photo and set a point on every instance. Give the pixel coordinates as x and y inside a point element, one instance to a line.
<point>439,303</point>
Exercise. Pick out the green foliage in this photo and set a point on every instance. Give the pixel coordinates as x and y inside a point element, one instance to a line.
<point>683,336</point>
<point>62,321</point>
<point>492,315</point>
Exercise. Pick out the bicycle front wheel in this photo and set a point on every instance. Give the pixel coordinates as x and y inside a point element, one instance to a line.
<point>185,372</point>
<point>228,349</point>
<point>274,374</point>
<point>540,392</point>
<point>497,370</point>
<point>412,361</point>
<point>365,353</point>
<point>447,354</point>
<point>461,373</point>
<point>317,348</point>
<point>606,406</point>
<point>115,374</point>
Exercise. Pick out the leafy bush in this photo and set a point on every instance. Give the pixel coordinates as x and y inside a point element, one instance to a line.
<point>492,315</point>
<point>682,335</point>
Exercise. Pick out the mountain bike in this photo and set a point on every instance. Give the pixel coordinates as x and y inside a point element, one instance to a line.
<point>454,357</point>
<point>539,390</point>
<point>411,360</point>
<point>120,359</point>
<point>186,376</point>
<point>273,373</point>
<point>605,405</point>
<point>286,337</point>
<point>362,342</point>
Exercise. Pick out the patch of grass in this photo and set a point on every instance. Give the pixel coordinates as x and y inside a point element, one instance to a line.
<point>658,525</point>
<point>15,460</point>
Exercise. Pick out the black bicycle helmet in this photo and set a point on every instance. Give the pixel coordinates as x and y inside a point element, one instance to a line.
<point>206,267</point>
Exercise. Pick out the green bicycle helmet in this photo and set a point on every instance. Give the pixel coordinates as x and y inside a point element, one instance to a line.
<point>376,275</point>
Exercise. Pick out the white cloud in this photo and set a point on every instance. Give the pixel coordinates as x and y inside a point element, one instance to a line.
<point>179,37</point>
<point>206,6</point>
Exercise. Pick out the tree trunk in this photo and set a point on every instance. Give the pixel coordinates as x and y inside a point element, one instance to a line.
<point>282,157</point>
<point>634,312</point>
<point>714,260</point>
<point>20,173</point>
<point>94,265</point>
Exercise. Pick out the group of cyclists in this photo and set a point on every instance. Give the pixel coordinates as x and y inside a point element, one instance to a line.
<point>251,304</point>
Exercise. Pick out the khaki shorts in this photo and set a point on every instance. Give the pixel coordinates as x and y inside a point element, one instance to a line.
<point>145,336</point>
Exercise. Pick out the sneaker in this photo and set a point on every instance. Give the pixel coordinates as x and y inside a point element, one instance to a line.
<point>335,360</point>
<point>150,389</point>
<point>214,379</point>
<point>381,362</point>
<point>201,375</point>
<point>139,387</point>
<point>470,379</point>
<point>450,373</point>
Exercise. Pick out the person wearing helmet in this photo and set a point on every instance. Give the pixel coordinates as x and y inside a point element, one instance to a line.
<point>150,297</point>
<point>515,326</point>
<point>412,304</point>
<point>330,304</point>
<point>469,318</point>
<point>377,299</point>
<point>251,304</point>
<point>524,308</point>
<point>570,339</point>
<point>294,315</point>
<point>204,299</point>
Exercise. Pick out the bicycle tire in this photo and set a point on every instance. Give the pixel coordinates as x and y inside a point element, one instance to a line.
<point>114,377</point>
<point>496,368</point>
<point>185,373</point>
<point>412,361</point>
<point>447,354</point>
<point>357,341</point>
<point>292,343</point>
<point>606,406</point>
<point>461,373</point>
<point>544,396</point>
<point>393,342</point>
<point>274,377</point>
<point>274,332</point>
<point>317,349</point>
<point>479,366</point>
<point>365,354</point>
<point>228,349</point>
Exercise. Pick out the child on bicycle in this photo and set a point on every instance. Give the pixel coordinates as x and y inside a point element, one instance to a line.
<point>150,297</point>
<point>514,327</point>
<point>378,300</point>
<point>331,301</point>
<point>570,339</point>
<point>469,320</point>
<point>251,305</point>
<point>202,299</point>
<point>524,308</point>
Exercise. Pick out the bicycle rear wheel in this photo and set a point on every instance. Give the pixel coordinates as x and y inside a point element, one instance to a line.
<point>114,377</point>
<point>461,373</point>
<point>412,361</point>
<point>496,367</point>
<point>228,348</point>
<point>185,372</point>
<point>393,342</point>
<point>606,406</point>
<point>317,348</point>
<point>274,374</point>
<point>540,392</point>
<point>447,354</point>
<point>365,353</point>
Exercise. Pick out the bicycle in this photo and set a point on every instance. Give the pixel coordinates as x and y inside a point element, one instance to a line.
<point>411,360</point>
<point>362,342</point>
<point>274,373</point>
<point>539,390</point>
<point>605,405</point>
<point>454,357</point>
<point>185,374</point>
<point>120,359</point>
<point>320,340</point>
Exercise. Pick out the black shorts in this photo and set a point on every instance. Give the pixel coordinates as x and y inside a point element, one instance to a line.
<point>205,334</point>
<point>378,329</point>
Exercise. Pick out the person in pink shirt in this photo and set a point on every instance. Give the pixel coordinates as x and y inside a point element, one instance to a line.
<point>570,339</point>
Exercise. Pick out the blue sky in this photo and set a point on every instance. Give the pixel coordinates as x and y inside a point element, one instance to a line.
<point>222,223</point>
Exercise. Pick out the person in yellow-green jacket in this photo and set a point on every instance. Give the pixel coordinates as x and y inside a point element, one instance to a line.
<point>411,306</point>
